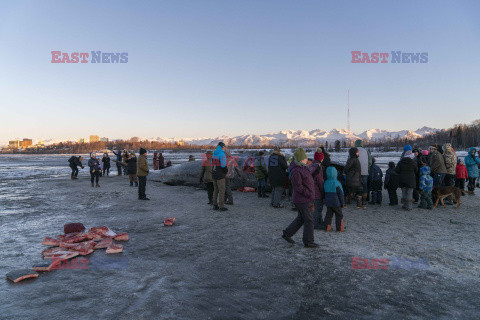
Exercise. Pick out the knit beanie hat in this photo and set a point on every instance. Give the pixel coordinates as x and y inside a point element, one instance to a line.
<point>407,147</point>
<point>142,151</point>
<point>299,154</point>
<point>319,156</point>
<point>425,152</point>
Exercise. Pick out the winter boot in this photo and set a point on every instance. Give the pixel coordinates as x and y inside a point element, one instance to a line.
<point>328,228</point>
<point>93,185</point>
<point>364,199</point>
<point>136,184</point>
<point>98,186</point>
<point>342,228</point>
<point>359,202</point>
<point>131,183</point>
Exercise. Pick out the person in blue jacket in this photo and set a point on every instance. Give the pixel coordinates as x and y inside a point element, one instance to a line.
<point>426,186</point>
<point>375,183</point>
<point>471,162</point>
<point>334,200</point>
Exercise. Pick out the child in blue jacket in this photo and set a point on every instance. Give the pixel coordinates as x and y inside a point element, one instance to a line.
<point>334,200</point>
<point>426,186</point>
<point>375,183</point>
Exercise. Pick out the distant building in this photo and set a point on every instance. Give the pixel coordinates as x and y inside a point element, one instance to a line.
<point>14,144</point>
<point>180,143</point>
<point>103,139</point>
<point>94,138</point>
<point>25,143</point>
<point>82,140</point>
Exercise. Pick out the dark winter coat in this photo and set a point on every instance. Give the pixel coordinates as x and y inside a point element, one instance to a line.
<point>94,165</point>
<point>106,162</point>
<point>437,163</point>
<point>352,170</point>
<point>392,179</point>
<point>375,176</point>
<point>302,182</point>
<point>132,165</point>
<point>317,173</point>
<point>407,170</point>
<point>277,166</point>
<point>75,161</point>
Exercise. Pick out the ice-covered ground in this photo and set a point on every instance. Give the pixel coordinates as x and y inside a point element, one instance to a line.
<point>228,264</point>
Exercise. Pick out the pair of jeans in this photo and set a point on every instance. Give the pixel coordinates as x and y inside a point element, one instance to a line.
<point>426,201</point>
<point>305,219</point>
<point>438,179</point>
<point>338,217</point>
<point>276,196</point>
<point>261,183</point>
<point>228,190</point>
<point>392,194</point>
<point>219,193</point>
<point>142,185</point>
<point>365,184</point>
<point>317,213</point>
<point>460,183</point>
<point>407,195</point>
<point>94,176</point>
<point>209,190</point>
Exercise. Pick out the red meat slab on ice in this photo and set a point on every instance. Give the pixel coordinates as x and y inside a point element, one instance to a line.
<point>169,221</point>
<point>103,231</point>
<point>64,237</point>
<point>82,248</point>
<point>93,236</point>
<point>63,254</point>
<point>123,236</point>
<point>104,243</point>
<point>51,242</point>
<point>46,265</point>
<point>21,274</point>
<point>73,227</point>
<point>114,248</point>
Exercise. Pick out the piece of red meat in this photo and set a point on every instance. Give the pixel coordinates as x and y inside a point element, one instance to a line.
<point>114,248</point>
<point>73,227</point>
<point>63,237</point>
<point>169,221</point>
<point>47,241</point>
<point>21,274</point>
<point>46,265</point>
<point>104,243</point>
<point>123,236</point>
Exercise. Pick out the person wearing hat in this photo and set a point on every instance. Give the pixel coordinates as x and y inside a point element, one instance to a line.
<point>142,173</point>
<point>219,173</point>
<point>303,196</point>
<point>95,169</point>
<point>437,164</point>
<point>206,174</point>
<point>472,161</point>
<point>132,169</point>
<point>317,173</point>
<point>407,170</point>
<point>277,166</point>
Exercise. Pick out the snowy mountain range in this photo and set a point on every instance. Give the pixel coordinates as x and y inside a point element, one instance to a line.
<point>304,137</point>
<point>298,137</point>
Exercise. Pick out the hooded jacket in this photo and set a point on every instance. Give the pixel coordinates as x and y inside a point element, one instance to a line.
<point>260,168</point>
<point>94,164</point>
<point>450,159</point>
<point>277,166</point>
<point>132,165</point>
<point>364,157</point>
<point>462,172</point>
<point>426,181</point>
<point>316,170</point>
<point>353,169</point>
<point>142,166</point>
<point>206,171</point>
<point>472,162</point>
<point>407,170</point>
<point>219,160</point>
<point>392,179</point>
<point>333,189</point>
<point>437,163</point>
<point>302,182</point>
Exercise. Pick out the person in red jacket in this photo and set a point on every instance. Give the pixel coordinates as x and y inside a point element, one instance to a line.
<point>462,175</point>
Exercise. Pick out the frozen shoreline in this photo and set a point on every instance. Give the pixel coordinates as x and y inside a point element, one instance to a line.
<point>235,264</point>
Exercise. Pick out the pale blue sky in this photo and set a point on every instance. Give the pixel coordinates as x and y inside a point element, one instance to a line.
<point>207,68</point>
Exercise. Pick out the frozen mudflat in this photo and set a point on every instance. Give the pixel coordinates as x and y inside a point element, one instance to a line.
<point>231,264</point>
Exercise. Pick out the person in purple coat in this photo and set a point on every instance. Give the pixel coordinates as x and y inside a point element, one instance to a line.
<point>303,197</point>
<point>317,172</point>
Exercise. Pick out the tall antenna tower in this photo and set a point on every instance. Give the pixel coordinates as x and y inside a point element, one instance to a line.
<point>348,111</point>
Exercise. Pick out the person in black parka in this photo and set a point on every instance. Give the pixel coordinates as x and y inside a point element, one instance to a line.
<point>132,169</point>
<point>353,173</point>
<point>391,183</point>
<point>407,170</point>
<point>277,167</point>
<point>106,164</point>
<point>74,163</point>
